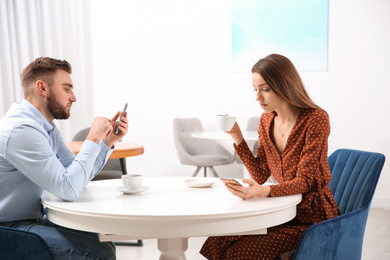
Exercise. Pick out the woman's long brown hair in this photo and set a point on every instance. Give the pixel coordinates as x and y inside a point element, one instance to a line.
<point>283,78</point>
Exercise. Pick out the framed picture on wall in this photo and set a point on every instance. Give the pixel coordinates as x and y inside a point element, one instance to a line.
<point>296,29</point>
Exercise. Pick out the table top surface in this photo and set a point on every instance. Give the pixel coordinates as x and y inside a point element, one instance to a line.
<point>167,208</point>
<point>167,197</point>
<point>122,149</point>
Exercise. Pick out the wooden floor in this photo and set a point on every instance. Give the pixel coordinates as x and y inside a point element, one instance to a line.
<point>376,243</point>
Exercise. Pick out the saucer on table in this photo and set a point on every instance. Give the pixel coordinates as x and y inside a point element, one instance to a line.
<point>200,182</point>
<point>126,191</point>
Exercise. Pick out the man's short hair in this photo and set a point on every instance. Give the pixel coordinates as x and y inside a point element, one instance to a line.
<point>42,68</point>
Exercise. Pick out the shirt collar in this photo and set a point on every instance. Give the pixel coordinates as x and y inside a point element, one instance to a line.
<point>48,126</point>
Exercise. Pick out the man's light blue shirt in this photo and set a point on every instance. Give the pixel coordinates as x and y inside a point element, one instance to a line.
<point>34,157</point>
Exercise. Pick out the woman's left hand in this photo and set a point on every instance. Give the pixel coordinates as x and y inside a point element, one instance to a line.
<point>251,191</point>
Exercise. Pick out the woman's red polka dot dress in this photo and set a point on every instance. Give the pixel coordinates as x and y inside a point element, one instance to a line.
<point>301,168</point>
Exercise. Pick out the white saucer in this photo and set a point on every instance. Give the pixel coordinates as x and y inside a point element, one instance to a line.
<point>125,191</point>
<point>199,182</point>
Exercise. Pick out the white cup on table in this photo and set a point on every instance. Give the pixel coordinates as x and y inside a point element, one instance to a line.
<point>225,122</point>
<point>132,181</point>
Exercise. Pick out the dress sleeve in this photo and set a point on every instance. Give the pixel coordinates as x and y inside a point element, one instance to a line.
<point>256,166</point>
<point>309,171</point>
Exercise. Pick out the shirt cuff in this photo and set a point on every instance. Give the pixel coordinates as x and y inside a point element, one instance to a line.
<point>90,146</point>
<point>105,151</point>
<point>104,147</point>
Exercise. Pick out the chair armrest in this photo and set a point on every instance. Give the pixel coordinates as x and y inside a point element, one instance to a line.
<point>341,236</point>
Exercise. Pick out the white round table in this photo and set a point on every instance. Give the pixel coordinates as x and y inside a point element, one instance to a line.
<point>168,210</point>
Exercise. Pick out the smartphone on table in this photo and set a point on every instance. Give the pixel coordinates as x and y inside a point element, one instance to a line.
<point>230,181</point>
<point>120,119</point>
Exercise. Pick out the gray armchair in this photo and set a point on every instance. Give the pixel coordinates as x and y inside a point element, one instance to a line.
<point>198,152</point>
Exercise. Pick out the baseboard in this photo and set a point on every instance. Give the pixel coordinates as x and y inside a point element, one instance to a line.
<point>383,203</point>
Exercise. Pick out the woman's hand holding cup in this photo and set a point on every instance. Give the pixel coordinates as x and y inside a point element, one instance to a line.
<point>236,134</point>
<point>229,125</point>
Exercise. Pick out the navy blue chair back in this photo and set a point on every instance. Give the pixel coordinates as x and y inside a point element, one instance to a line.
<point>22,245</point>
<point>355,175</point>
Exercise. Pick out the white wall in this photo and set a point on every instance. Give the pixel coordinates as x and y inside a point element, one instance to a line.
<point>172,59</point>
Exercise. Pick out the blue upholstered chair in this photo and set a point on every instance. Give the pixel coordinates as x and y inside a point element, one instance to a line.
<point>22,245</point>
<point>355,175</point>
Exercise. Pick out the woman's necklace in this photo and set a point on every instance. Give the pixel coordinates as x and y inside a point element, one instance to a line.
<point>285,131</point>
<point>295,111</point>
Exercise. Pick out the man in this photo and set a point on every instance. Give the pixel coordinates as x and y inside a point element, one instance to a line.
<point>34,158</point>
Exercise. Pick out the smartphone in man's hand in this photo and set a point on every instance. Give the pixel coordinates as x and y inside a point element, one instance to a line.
<point>120,119</point>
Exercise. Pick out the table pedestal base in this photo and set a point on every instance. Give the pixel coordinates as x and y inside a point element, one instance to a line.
<point>172,248</point>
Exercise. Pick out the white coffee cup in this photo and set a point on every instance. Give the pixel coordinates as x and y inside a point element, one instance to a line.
<point>132,181</point>
<point>225,122</point>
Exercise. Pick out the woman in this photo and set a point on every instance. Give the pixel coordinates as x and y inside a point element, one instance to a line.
<point>293,146</point>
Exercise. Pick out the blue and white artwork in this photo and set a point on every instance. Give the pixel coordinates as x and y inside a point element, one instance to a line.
<point>297,29</point>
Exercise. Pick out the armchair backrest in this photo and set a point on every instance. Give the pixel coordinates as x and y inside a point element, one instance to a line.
<point>182,129</point>
<point>355,175</point>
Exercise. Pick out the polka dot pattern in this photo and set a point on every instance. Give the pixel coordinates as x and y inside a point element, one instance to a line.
<point>301,168</point>
<point>280,241</point>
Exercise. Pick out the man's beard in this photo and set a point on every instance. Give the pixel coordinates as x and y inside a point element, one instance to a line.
<point>55,108</point>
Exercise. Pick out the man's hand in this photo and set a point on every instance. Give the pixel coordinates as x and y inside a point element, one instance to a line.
<point>101,127</point>
<point>111,138</point>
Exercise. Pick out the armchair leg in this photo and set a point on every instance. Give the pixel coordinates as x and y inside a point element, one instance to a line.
<point>214,172</point>
<point>196,171</point>
<point>205,171</point>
